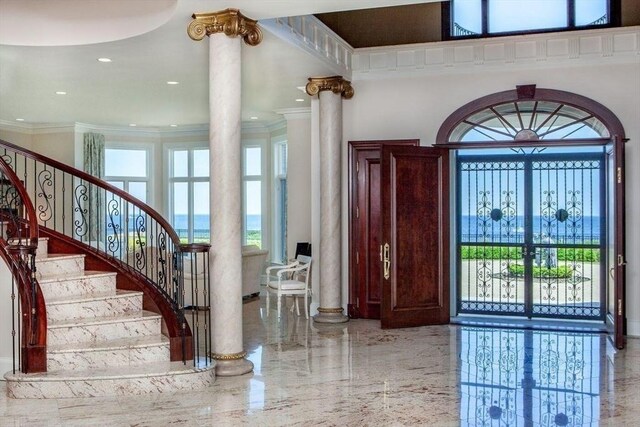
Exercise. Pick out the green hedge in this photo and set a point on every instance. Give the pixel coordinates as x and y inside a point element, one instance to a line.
<point>502,253</point>
<point>561,272</point>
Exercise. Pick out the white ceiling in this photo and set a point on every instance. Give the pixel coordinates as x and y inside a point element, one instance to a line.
<point>151,47</point>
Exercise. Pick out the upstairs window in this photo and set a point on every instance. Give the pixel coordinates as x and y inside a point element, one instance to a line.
<point>483,18</point>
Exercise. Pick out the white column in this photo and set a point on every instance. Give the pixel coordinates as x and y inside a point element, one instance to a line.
<point>225,265</point>
<point>330,92</point>
<point>226,205</point>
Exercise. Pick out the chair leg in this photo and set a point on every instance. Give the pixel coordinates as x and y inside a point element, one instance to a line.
<point>279,305</point>
<point>297,305</point>
<point>306,305</point>
<point>268,301</point>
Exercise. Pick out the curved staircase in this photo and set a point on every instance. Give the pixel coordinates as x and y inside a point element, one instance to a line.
<point>98,287</point>
<point>100,341</point>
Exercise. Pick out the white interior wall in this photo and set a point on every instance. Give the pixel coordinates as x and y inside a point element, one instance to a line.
<point>414,107</point>
<point>6,313</point>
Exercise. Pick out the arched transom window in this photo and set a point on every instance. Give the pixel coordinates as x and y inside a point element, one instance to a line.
<point>527,115</point>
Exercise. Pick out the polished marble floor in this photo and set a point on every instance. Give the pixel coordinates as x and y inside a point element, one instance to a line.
<point>356,374</point>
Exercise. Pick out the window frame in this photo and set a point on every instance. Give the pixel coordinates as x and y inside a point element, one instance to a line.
<point>190,180</point>
<point>279,212</point>
<point>263,178</point>
<point>126,180</point>
<point>614,11</point>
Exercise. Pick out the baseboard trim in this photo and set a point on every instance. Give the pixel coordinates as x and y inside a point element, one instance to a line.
<point>6,365</point>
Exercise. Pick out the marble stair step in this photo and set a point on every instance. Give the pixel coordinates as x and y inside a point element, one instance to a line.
<point>109,303</point>
<point>59,265</point>
<point>134,324</point>
<point>43,245</point>
<point>102,354</point>
<point>77,284</point>
<point>112,381</point>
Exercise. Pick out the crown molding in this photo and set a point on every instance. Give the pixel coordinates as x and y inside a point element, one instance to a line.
<point>538,51</point>
<point>295,113</point>
<point>199,130</point>
<point>311,35</point>
<point>36,128</point>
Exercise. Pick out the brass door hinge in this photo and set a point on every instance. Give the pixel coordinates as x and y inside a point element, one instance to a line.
<point>619,175</point>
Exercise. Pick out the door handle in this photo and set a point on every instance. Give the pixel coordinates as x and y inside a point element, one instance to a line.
<point>386,263</point>
<point>621,261</point>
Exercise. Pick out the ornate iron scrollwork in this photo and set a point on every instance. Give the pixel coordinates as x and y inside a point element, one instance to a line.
<point>45,212</point>
<point>81,196</point>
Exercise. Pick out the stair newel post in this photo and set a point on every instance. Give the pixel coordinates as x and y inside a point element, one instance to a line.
<point>13,322</point>
<point>31,256</point>
<point>33,338</point>
<point>196,255</point>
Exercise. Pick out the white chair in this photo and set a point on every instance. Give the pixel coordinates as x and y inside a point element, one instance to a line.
<point>292,280</point>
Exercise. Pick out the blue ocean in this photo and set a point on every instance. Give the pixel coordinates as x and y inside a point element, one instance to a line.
<point>574,230</point>
<point>201,222</point>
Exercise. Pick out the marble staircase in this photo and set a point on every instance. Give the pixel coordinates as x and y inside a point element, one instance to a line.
<point>100,342</point>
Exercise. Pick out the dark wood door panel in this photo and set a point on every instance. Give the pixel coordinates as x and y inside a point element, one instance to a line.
<point>616,261</point>
<point>415,224</point>
<point>365,227</point>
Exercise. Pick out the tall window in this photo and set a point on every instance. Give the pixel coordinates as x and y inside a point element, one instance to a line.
<point>129,170</point>
<point>189,193</point>
<point>471,18</point>
<point>252,180</point>
<point>279,201</point>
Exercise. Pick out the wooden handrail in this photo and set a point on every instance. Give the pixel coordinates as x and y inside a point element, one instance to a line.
<point>97,182</point>
<point>26,201</point>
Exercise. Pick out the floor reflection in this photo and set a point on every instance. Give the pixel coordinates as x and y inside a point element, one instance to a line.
<point>529,378</point>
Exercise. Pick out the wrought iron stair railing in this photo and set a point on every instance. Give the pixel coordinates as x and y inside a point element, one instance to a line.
<point>18,246</point>
<point>111,223</point>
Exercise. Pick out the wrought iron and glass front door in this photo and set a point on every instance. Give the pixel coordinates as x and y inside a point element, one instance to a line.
<point>530,234</point>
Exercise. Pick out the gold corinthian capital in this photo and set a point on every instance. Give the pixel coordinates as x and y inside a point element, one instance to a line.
<point>335,84</point>
<point>229,21</point>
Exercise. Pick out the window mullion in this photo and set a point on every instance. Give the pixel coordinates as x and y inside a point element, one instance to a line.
<point>571,13</point>
<point>485,17</point>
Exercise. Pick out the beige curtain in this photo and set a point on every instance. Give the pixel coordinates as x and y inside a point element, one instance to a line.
<point>94,165</point>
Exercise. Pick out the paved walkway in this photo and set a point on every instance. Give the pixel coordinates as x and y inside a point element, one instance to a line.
<point>481,280</point>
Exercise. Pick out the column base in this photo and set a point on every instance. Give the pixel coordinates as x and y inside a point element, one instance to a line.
<point>330,315</point>
<point>232,365</point>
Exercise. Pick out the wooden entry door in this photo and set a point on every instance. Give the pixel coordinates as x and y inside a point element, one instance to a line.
<point>365,226</point>
<point>615,243</point>
<point>415,236</point>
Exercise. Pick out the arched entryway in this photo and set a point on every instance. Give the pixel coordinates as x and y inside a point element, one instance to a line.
<point>539,206</point>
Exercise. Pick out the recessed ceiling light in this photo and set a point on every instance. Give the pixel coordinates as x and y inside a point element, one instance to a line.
<point>172,83</point>
<point>133,125</point>
<point>104,59</point>
<point>19,120</point>
<point>299,100</point>
<point>61,92</point>
<point>174,126</point>
<point>253,118</point>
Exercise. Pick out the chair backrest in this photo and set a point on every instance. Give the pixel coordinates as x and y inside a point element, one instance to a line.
<point>304,259</point>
